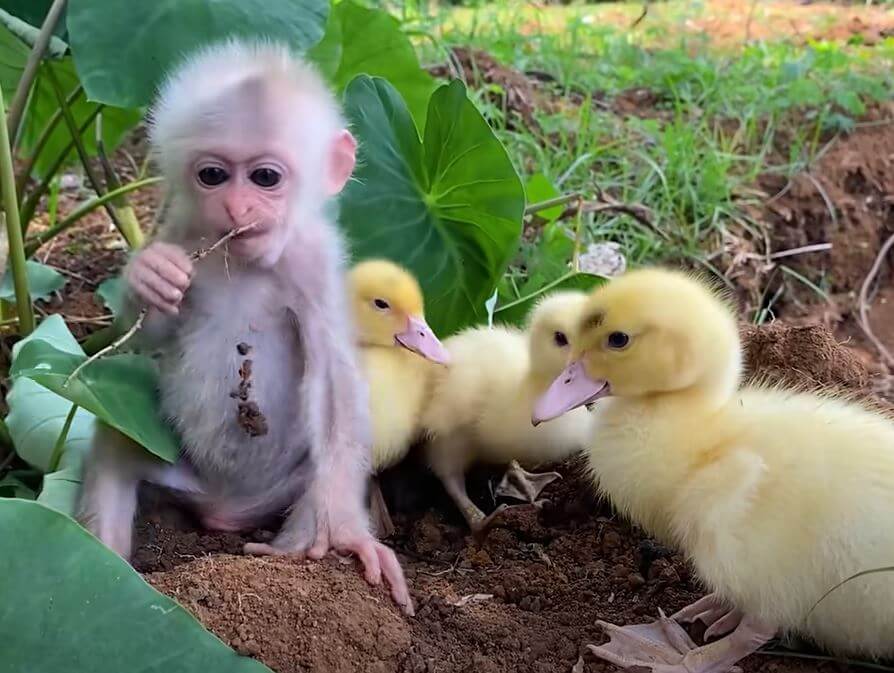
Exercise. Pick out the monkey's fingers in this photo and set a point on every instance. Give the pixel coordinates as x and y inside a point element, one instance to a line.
<point>155,290</point>
<point>394,576</point>
<point>168,258</point>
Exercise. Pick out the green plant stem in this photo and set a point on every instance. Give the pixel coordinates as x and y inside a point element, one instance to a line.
<point>130,225</point>
<point>82,152</point>
<point>88,207</point>
<point>551,203</point>
<point>60,441</point>
<point>14,230</point>
<point>43,139</point>
<point>20,98</point>
<point>29,206</point>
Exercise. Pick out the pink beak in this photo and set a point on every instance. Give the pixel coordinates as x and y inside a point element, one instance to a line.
<point>571,389</point>
<point>419,338</point>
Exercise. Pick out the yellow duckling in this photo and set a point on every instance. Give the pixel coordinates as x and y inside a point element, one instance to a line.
<point>397,350</point>
<point>777,496</point>
<point>480,408</point>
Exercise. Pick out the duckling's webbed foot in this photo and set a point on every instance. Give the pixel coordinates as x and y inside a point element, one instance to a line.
<point>455,485</point>
<point>713,612</point>
<point>520,484</point>
<point>664,647</point>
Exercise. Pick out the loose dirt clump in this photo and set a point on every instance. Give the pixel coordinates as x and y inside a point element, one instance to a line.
<point>295,617</point>
<point>807,355</point>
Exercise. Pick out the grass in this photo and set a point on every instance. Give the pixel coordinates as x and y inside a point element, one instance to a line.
<point>723,112</point>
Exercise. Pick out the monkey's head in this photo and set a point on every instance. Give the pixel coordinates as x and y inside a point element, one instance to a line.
<point>248,135</point>
<point>388,310</point>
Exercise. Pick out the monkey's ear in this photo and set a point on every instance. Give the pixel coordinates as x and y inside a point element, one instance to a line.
<point>344,157</point>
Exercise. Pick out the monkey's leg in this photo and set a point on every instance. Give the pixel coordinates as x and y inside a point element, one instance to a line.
<point>520,484</point>
<point>113,470</point>
<point>378,509</point>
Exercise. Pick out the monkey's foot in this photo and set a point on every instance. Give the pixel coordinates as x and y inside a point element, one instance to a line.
<point>378,561</point>
<point>520,484</point>
<point>378,511</point>
<point>712,611</point>
<point>664,647</point>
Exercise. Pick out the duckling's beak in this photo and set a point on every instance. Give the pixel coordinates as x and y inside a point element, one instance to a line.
<point>419,338</point>
<point>572,388</point>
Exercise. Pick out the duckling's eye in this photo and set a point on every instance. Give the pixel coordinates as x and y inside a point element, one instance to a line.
<point>560,339</point>
<point>381,304</point>
<point>618,340</point>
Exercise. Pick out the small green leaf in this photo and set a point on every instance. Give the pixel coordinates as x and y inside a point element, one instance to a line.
<point>125,71</point>
<point>13,485</point>
<point>449,208</point>
<point>74,605</point>
<point>515,313</point>
<point>111,293</point>
<point>540,189</point>
<point>120,390</point>
<point>42,282</point>
<point>366,41</point>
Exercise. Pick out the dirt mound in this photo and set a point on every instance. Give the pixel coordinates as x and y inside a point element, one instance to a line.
<point>293,616</point>
<point>844,200</point>
<point>801,355</point>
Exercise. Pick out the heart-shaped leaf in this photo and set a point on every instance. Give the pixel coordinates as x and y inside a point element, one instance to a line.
<point>360,40</point>
<point>121,390</point>
<point>126,72</point>
<point>42,281</point>
<point>74,605</point>
<point>516,312</point>
<point>449,208</point>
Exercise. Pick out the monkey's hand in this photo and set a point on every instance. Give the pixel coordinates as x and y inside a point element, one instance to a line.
<point>160,275</point>
<point>348,537</point>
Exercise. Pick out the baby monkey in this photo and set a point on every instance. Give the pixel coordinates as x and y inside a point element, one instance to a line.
<point>250,138</point>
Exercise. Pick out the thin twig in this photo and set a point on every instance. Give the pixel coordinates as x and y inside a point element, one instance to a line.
<point>642,15</point>
<point>863,301</point>
<point>141,317</point>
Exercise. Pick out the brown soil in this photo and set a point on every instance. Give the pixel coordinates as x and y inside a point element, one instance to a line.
<point>526,600</point>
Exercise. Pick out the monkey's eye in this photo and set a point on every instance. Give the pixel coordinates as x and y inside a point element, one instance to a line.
<point>212,176</point>
<point>265,177</point>
<point>381,304</point>
<point>560,339</point>
<point>618,340</point>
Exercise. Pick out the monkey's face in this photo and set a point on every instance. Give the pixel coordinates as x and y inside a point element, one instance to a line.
<point>237,192</point>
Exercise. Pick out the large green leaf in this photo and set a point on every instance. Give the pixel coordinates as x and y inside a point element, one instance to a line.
<point>119,389</point>
<point>449,208</point>
<point>42,281</point>
<point>116,121</point>
<point>366,41</point>
<point>71,604</point>
<point>123,49</point>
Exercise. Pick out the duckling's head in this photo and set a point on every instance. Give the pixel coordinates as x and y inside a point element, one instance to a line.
<point>389,309</point>
<point>651,331</point>
<point>551,325</point>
